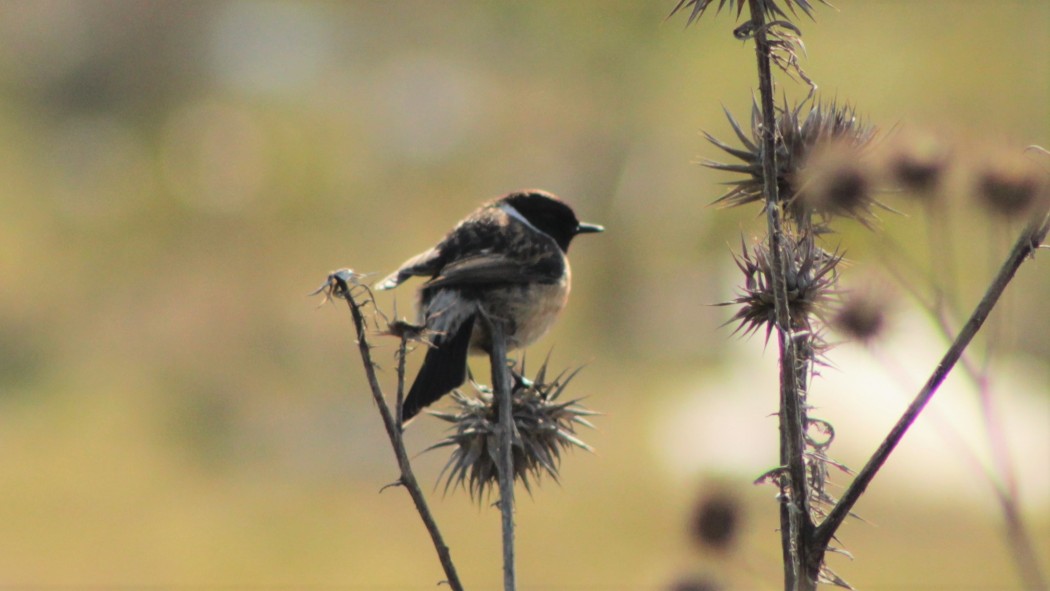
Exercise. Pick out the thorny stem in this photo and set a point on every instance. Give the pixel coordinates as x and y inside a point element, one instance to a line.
<point>795,523</point>
<point>502,386</point>
<point>1025,247</point>
<point>407,478</point>
<point>399,399</point>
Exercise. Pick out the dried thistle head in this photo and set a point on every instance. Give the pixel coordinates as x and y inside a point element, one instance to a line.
<point>339,284</point>
<point>771,8</point>
<point>403,329</point>
<point>918,163</point>
<point>811,280</point>
<point>862,314</point>
<point>1009,185</point>
<point>543,427</point>
<point>715,523</point>
<point>836,182</point>
<point>694,582</point>
<point>799,135</point>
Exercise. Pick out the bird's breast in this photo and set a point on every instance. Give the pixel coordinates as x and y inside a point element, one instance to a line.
<point>528,310</point>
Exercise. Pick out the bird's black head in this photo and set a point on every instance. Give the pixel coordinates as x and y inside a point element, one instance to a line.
<point>549,215</point>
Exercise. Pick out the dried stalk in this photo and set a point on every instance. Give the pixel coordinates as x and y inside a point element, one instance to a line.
<point>501,384</point>
<point>1031,238</point>
<point>795,522</point>
<point>338,283</point>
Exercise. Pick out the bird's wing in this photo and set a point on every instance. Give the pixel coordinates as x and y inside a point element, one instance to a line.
<point>484,269</point>
<point>427,264</point>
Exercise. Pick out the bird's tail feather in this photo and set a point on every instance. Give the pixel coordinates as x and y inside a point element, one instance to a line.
<point>444,369</point>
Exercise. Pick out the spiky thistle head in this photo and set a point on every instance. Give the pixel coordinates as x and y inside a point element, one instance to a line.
<point>1010,185</point>
<point>862,314</point>
<point>836,182</point>
<point>811,280</point>
<point>696,582</point>
<point>715,523</point>
<point>918,162</point>
<point>799,135</point>
<point>771,8</point>
<point>543,427</point>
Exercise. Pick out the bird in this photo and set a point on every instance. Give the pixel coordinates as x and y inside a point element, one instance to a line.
<point>506,260</point>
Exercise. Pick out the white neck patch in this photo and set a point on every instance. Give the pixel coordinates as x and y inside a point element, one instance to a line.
<point>514,213</point>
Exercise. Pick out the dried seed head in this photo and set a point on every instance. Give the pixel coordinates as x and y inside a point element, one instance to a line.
<point>837,183</point>
<point>695,583</point>
<point>862,315</point>
<point>811,278</point>
<point>798,136</point>
<point>771,8</point>
<point>544,426</point>
<point>339,284</point>
<point>716,521</point>
<point>404,329</point>
<point>918,163</point>
<point>1011,186</point>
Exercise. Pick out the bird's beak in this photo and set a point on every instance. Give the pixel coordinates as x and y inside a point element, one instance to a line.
<point>588,228</point>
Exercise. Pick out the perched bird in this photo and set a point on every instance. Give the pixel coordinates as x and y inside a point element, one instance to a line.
<point>506,260</point>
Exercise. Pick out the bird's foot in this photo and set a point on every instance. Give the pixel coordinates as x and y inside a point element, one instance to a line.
<point>520,382</point>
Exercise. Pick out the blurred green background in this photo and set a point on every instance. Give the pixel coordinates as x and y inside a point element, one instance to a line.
<point>177,176</point>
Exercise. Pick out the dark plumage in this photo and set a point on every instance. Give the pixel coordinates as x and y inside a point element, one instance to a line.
<point>507,259</point>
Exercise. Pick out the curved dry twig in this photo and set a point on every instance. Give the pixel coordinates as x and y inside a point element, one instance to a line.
<point>343,284</point>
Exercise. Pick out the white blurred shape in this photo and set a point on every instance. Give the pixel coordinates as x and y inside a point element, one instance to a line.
<point>271,48</point>
<point>426,106</point>
<point>722,423</point>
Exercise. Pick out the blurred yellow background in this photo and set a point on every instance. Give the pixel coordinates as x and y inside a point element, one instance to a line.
<point>177,176</point>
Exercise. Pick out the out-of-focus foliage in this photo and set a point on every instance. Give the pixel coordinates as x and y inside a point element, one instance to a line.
<point>176,176</point>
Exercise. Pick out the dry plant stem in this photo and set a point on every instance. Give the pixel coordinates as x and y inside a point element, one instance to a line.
<point>1026,245</point>
<point>399,400</point>
<point>407,479</point>
<point>1021,542</point>
<point>800,571</point>
<point>1000,475</point>
<point>501,385</point>
<point>1016,532</point>
<point>1005,485</point>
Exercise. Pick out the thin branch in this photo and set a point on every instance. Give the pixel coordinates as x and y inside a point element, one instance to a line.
<point>795,522</point>
<point>1025,247</point>
<point>501,384</point>
<point>339,286</point>
<point>1016,532</point>
<point>1000,475</point>
<point>399,399</point>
